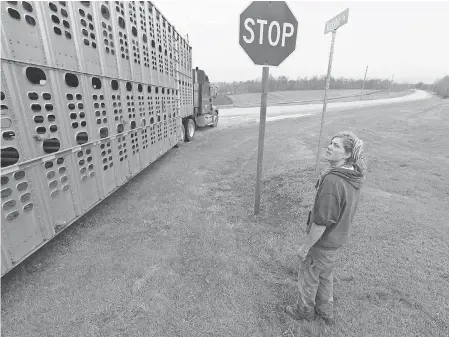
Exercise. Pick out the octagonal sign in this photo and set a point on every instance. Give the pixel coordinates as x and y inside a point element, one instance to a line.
<point>268,31</point>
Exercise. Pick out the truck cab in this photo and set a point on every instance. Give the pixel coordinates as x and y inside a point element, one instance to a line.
<point>206,114</point>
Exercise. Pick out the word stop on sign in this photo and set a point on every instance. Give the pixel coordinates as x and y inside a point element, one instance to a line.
<point>273,33</point>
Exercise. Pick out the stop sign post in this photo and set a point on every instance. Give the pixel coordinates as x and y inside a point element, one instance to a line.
<point>331,26</point>
<point>268,31</point>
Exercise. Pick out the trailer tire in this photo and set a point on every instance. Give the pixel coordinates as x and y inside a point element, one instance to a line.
<point>183,134</point>
<point>189,129</point>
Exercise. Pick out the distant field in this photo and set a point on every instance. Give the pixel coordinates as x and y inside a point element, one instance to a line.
<point>303,97</point>
<point>285,96</point>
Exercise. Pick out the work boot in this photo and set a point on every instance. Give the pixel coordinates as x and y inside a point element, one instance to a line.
<point>297,314</point>
<point>329,319</point>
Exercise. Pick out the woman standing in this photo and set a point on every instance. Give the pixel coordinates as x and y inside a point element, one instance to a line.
<point>335,205</point>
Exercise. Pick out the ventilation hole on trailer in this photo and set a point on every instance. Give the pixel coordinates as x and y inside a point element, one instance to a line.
<point>81,162</point>
<point>22,186</point>
<point>102,146</point>
<point>12,216</point>
<point>51,145</point>
<point>53,128</point>
<point>98,120</point>
<point>121,22</point>
<point>71,80</point>
<point>68,35</point>
<point>85,3</point>
<point>28,208</point>
<point>83,170</point>
<point>25,197</point>
<point>53,184</point>
<point>96,83</point>
<point>49,107</point>
<point>120,128</point>
<point>5,180</point>
<point>79,97</point>
<point>73,115</point>
<point>82,114</point>
<point>83,178</point>
<point>53,7</point>
<point>133,125</point>
<point>46,96</point>
<point>51,174</point>
<point>82,138</point>
<point>48,164</point>
<point>75,125</point>
<point>55,193</point>
<point>83,123</point>
<point>19,175</point>
<point>9,204</point>
<point>80,106</point>
<point>57,31</point>
<point>91,167</point>
<point>66,24</point>
<point>105,120</point>
<point>92,36</point>
<point>35,75</point>
<point>71,106</point>
<point>62,170</point>
<point>80,154</point>
<point>104,132</point>
<point>82,12</point>
<point>14,14</point>
<point>9,135</point>
<point>36,107</point>
<point>85,33</point>
<point>60,161</point>
<point>86,42</point>
<point>129,86</point>
<point>89,159</point>
<point>30,20</point>
<point>114,85</point>
<point>83,22</point>
<point>9,156</point>
<point>65,188</point>
<point>64,13</point>
<point>62,3</point>
<point>55,19</point>
<point>6,193</point>
<point>90,18</point>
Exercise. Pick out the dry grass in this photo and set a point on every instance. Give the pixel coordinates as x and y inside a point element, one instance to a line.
<point>178,252</point>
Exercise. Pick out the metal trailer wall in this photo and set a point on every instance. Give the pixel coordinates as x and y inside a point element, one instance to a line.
<point>91,94</point>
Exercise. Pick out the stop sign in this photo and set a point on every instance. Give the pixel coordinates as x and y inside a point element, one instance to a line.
<point>268,31</point>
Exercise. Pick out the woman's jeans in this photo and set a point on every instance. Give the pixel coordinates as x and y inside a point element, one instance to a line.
<point>316,282</point>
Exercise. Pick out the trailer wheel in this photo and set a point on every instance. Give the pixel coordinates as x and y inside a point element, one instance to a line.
<point>183,134</point>
<point>190,130</point>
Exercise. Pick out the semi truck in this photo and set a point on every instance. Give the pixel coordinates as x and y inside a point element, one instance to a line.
<point>91,94</point>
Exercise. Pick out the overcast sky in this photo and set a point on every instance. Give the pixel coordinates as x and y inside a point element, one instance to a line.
<point>404,38</point>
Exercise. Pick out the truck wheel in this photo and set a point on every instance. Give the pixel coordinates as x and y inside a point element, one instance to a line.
<point>190,130</point>
<point>215,121</point>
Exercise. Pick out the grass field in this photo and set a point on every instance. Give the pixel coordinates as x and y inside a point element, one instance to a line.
<point>178,252</point>
<point>303,97</point>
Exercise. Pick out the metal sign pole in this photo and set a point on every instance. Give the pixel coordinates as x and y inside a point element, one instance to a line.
<point>363,84</point>
<point>391,83</point>
<point>329,68</point>
<point>263,118</point>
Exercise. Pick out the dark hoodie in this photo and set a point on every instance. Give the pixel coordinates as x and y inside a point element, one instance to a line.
<point>335,205</point>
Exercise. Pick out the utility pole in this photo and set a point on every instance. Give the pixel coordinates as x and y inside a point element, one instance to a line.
<point>391,83</point>
<point>363,84</point>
